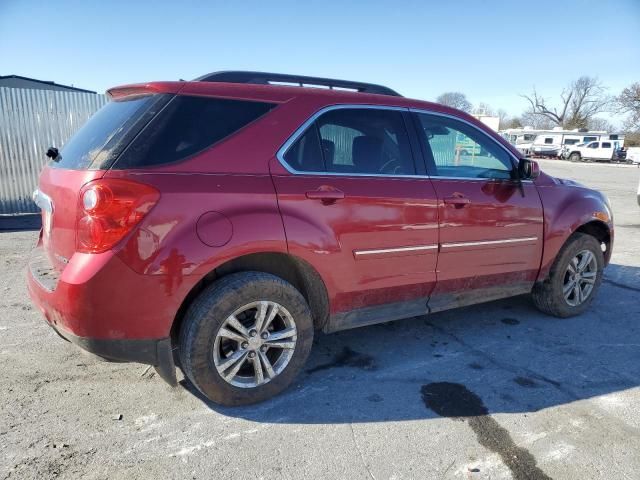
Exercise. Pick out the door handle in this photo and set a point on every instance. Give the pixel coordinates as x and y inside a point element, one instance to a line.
<point>327,195</point>
<point>457,201</point>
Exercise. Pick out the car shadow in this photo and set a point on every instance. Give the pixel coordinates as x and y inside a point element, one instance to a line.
<point>505,354</point>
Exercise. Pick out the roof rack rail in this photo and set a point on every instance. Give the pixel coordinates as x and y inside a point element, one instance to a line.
<point>264,78</point>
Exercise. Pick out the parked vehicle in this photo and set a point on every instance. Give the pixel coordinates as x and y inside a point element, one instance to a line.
<point>599,151</point>
<point>225,220</point>
<point>557,141</point>
<point>633,155</point>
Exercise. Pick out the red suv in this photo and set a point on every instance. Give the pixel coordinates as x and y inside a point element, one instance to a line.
<point>218,223</point>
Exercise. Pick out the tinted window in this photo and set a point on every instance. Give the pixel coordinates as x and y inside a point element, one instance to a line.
<point>548,141</point>
<point>460,150</point>
<point>188,125</point>
<point>571,141</point>
<point>305,154</point>
<point>589,139</point>
<point>606,145</point>
<point>593,145</point>
<point>99,142</point>
<point>365,141</point>
<point>613,137</point>
<point>354,140</point>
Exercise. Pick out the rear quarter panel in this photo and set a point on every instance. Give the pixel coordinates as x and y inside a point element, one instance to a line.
<point>201,221</point>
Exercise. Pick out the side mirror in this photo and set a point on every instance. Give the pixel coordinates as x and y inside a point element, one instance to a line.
<point>528,169</point>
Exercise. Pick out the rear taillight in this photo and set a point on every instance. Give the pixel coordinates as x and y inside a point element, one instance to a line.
<point>109,209</point>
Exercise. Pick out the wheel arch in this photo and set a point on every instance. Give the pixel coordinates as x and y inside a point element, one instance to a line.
<point>601,232</point>
<point>290,268</point>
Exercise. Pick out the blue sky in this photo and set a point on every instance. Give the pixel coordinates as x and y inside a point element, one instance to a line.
<point>490,50</point>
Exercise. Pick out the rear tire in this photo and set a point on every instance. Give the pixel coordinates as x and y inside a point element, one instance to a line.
<point>558,295</point>
<point>223,324</point>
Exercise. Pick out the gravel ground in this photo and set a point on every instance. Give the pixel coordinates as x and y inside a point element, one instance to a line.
<point>540,397</point>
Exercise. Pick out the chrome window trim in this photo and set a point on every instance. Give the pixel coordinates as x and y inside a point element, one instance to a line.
<point>475,127</point>
<point>395,250</point>
<point>302,129</point>
<point>488,242</point>
<point>476,179</point>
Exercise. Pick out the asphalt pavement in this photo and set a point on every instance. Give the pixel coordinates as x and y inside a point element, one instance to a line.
<point>493,391</point>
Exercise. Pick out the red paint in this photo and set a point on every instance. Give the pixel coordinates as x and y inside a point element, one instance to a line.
<point>135,289</point>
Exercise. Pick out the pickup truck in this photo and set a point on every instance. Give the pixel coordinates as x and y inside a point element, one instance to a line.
<point>600,151</point>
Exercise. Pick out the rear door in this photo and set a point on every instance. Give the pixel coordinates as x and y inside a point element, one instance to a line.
<point>605,152</point>
<point>490,223</point>
<point>355,206</point>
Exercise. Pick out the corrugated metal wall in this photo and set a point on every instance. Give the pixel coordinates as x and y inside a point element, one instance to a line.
<point>31,121</point>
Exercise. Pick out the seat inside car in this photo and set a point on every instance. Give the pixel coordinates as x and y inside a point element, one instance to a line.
<point>367,154</point>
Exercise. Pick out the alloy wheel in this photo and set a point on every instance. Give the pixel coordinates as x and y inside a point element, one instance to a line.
<point>580,278</point>
<point>255,344</point>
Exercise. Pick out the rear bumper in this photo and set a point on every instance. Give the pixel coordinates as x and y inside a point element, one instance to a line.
<point>158,353</point>
<point>104,307</point>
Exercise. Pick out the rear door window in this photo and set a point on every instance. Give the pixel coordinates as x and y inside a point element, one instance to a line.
<point>360,141</point>
<point>188,125</point>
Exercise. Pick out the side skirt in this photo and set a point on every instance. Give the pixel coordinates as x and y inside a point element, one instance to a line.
<point>414,308</point>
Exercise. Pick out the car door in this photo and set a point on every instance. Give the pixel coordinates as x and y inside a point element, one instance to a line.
<point>592,150</point>
<point>605,152</point>
<point>491,223</point>
<point>357,209</point>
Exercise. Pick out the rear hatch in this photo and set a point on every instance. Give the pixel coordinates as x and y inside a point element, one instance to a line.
<point>86,157</point>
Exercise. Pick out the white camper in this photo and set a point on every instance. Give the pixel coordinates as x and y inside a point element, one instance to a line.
<point>558,142</point>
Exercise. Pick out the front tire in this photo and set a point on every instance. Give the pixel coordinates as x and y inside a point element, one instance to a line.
<point>574,157</point>
<point>574,279</point>
<point>245,338</point>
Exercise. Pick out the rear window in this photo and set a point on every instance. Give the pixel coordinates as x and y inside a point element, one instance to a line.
<point>99,142</point>
<point>188,125</point>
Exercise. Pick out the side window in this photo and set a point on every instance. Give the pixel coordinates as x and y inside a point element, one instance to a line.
<point>606,145</point>
<point>305,154</point>
<point>365,141</point>
<point>354,141</point>
<point>548,141</point>
<point>594,145</point>
<point>188,125</point>
<point>460,150</point>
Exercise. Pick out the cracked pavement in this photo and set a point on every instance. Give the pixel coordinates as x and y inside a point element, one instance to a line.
<point>493,391</point>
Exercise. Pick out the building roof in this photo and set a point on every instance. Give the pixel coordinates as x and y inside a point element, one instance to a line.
<point>46,82</point>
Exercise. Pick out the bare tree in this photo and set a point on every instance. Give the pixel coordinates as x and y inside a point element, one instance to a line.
<point>484,109</point>
<point>503,115</point>
<point>509,122</point>
<point>539,122</point>
<point>628,102</point>
<point>456,100</point>
<point>597,123</point>
<point>579,102</point>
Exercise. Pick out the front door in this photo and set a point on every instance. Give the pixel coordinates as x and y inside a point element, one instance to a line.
<point>491,224</point>
<point>355,207</point>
